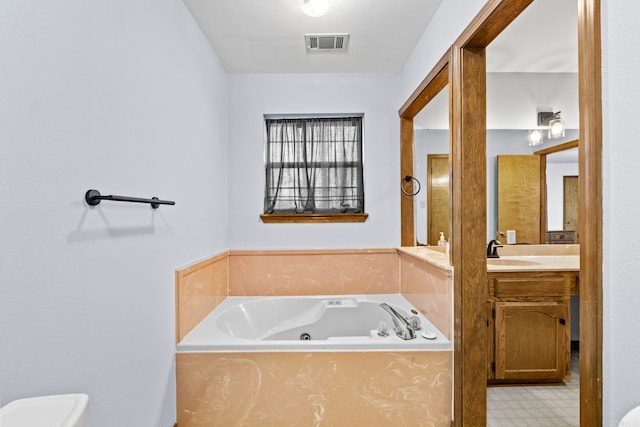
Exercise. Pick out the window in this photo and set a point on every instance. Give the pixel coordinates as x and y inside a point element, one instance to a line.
<point>314,169</point>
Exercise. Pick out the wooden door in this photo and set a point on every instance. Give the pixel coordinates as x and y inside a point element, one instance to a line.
<point>531,340</point>
<point>519,197</point>
<point>570,205</point>
<point>437,197</point>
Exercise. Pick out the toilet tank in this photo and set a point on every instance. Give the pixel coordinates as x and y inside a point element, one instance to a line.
<point>61,410</point>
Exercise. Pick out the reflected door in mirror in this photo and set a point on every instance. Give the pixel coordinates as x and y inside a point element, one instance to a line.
<point>437,197</point>
<point>519,197</point>
<point>570,205</point>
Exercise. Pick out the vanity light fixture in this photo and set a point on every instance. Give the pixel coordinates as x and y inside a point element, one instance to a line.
<point>535,137</point>
<point>315,8</point>
<point>553,121</point>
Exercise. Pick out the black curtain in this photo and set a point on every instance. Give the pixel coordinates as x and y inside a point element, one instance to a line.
<point>314,165</point>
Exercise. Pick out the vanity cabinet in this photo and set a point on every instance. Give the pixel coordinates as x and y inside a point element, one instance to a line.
<point>529,326</point>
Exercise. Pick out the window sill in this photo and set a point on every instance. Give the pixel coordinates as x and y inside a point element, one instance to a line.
<point>282,218</point>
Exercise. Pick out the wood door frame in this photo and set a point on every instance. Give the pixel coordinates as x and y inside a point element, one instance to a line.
<point>466,68</point>
<point>543,180</point>
<point>430,158</point>
<point>435,81</point>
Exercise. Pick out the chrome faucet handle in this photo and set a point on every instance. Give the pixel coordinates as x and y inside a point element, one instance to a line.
<point>405,332</point>
<point>415,323</point>
<point>402,327</point>
<point>383,329</point>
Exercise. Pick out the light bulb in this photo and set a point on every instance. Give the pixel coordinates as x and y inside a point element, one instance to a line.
<point>535,137</point>
<point>315,8</point>
<point>556,128</point>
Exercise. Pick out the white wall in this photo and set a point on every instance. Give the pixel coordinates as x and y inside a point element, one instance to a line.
<point>128,98</point>
<point>447,24</point>
<point>513,100</point>
<point>251,96</point>
<point>621,233</point>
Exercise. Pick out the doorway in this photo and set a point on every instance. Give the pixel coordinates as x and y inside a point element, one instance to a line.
<point>467,73</point>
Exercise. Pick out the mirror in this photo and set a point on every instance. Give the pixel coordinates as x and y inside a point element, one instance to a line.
<point>562,196</point>
<point>516,192</point>
<point>431,167</point>
<point>531,68</point>
<point>431,139</point>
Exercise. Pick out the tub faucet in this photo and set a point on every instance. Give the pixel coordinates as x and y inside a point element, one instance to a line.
<point>402,327</point>
<point>492,249</point>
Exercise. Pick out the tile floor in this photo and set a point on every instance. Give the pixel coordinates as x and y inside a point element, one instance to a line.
<point>546,405</point>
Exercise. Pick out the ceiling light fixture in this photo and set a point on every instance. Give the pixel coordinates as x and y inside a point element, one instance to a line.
<point>315,8</point>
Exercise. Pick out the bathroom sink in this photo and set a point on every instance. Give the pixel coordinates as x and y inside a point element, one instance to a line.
<point>514,262</point>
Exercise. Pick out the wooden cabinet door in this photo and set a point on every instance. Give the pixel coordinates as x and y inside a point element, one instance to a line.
<point>531,340</point>
<point>519,197</point>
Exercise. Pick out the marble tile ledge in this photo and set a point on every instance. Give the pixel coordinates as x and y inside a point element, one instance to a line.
<point>434,255</point>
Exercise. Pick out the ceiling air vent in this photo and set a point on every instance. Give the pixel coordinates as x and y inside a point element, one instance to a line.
<point>326,42</point>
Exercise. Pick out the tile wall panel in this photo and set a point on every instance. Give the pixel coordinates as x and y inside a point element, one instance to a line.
<point>314,389</point>
<point>429,288</point>
<point>320,272</point>
<point>200,287</point>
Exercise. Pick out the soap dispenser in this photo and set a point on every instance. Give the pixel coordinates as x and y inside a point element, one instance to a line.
<point>442,242</point>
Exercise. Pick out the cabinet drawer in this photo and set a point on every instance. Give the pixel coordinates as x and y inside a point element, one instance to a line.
<point>564,237</point>
<point>531,286</point>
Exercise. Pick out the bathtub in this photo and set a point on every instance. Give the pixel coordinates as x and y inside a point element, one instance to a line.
<point>308,323</point>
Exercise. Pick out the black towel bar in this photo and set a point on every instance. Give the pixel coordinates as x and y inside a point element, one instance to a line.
<point>93,197</point>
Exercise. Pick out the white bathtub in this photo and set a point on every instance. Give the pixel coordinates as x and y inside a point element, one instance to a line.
<point>333,323</point>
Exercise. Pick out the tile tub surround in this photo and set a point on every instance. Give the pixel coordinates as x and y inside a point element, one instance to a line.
<point>313,272</point>
<point>323,388</point>
<point>312,389</point>
<point>200,287</point>
<point>427,283</point>
<point>424,277</point>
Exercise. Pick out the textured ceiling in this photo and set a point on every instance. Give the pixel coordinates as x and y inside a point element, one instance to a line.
<point>267,36</point>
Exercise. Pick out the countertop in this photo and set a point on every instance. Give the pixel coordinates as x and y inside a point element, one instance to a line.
<point>534,263</point>
<point>434,255</point>
<point>515,258</point>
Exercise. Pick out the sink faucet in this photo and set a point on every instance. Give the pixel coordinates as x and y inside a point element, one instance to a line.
<point>402,327</point>
<point>492,249</point>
